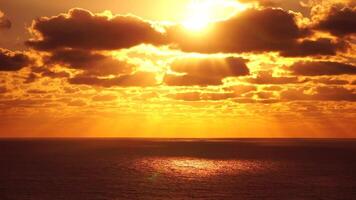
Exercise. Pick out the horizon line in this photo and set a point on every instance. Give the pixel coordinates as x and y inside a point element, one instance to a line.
<point>180,138</point>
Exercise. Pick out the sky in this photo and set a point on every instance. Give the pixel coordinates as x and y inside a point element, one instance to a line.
<point>178,68</point>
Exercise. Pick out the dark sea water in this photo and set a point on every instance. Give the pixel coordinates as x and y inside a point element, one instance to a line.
<point>113,169</point>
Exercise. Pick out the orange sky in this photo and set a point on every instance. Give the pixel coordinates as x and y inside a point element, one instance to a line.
<point>177,68</point>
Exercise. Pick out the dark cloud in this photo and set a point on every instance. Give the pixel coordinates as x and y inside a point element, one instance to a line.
<point>13,61</point>
<point>325,93</point>
<point>339,22</point>
<point>5,23</point>
<point>321,46</point>
<point>250,31</point>
<point>91,63</point>
<point>205,71</point>
<point>322,68</point>
<point>139,79</point>
<point>80,29</point>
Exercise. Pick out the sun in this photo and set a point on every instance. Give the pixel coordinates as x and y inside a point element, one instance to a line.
<point>197,21</point>
<point>200,13</point>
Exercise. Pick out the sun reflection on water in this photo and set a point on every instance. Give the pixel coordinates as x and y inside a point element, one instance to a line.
<point>196,167</point>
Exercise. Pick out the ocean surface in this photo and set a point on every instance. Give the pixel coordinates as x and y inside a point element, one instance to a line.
<point>114,169</point>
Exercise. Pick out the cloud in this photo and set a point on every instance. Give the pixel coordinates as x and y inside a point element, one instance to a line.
<point>252,30</point>
<point>212,67</point>
<point>329,81</point>
<point>5,23</point>
<point>262,3</point>
<point>91,63</point>
<point>37,91</point>
<point>13,61</point>
<point>201,96</point>
<point>339,22</point>
<point>241,89</point>
<point>266,77</point>
<point>44,71</point>
<point>24,102</point>
<point>325,93</point>
<point>138,79</point>
<point>205,71</point>
<point>77,103</point>
<point>104,98</point>
<point>322,68</point>
<point>186,96</point>
<point>265,95</point>
<point>321,46</point>
<point>231,92</point>
<point>81,29</point>
<point>3,90</point>
<point>273,88</point>
<point>189,80</point>
<point>256,30</point>
<point>97,69</point>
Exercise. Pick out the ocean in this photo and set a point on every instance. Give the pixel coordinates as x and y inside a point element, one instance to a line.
<point>177,169</point>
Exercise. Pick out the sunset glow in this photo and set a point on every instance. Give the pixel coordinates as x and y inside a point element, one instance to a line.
<point>177,99</point>
<point>177,68</point>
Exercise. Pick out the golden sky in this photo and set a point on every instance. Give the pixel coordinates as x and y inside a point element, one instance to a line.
<point>177,68</point>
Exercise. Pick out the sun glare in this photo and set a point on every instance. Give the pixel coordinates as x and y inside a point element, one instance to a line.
<point>200,13</point>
